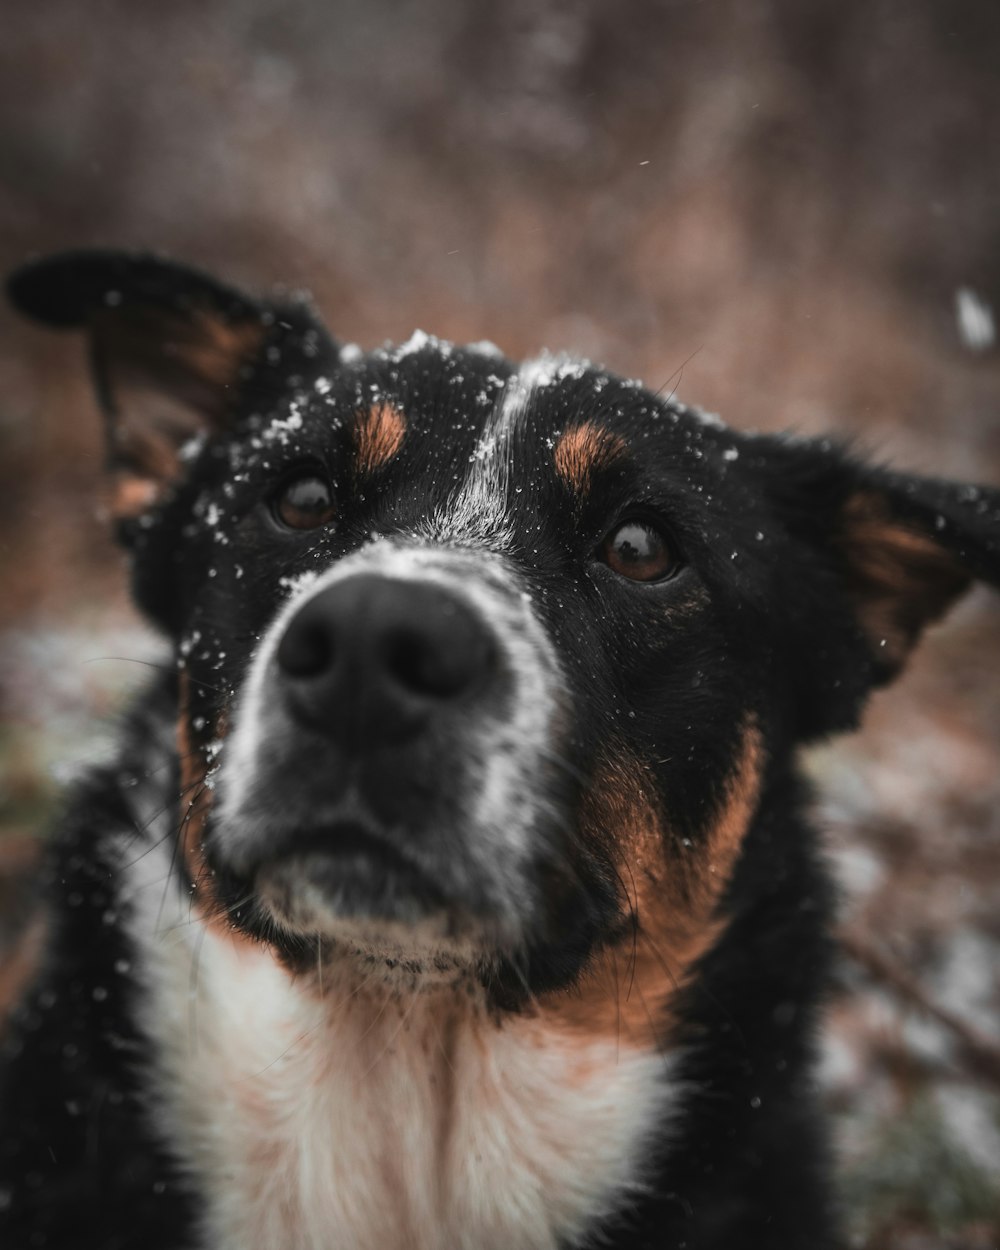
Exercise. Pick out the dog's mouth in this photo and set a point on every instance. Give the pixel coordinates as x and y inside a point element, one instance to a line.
<point>351,878</point>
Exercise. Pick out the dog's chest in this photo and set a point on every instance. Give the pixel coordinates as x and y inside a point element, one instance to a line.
<point>363,1122</point>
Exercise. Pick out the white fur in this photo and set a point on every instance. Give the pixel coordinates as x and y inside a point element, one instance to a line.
<point>365,1118</point>
<point>480,510</point>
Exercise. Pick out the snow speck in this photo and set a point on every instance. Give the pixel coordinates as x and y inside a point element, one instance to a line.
<point>485,348</point>
<point>706,418</point>
<point>976,326</point>
<point>548,370</point>
<point>190,449</point>
<point>292,585</point>
<point>419,341</point>
<point>281,428</point>
<point>189,643</point>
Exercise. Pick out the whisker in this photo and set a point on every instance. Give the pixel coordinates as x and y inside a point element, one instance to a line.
<point>678,373</point>
<point>193,992</point>
<point>404,1018</point>
<point>160,668</point>
<point>175,851</point>
<point>138,830</point>
<point>554,758</point>
<point>291,1046</point>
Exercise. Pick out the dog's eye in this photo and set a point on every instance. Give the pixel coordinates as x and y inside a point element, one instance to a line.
<point>304,502</point>
<point>637,550</point>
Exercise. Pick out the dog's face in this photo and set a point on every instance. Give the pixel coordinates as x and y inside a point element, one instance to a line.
<point>482,666</point>
<point>458,607</point>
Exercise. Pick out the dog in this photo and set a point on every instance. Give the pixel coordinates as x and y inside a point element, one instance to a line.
<point>453,887</point>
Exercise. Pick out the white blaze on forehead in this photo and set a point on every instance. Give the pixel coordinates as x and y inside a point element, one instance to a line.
<point>534,375</point>
<point>479,512</point>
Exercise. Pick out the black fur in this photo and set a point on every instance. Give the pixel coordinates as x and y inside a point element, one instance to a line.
<point>781,613</point>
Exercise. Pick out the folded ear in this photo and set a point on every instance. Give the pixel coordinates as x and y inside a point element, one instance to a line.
<point>176,355</point>
<point>909,546</point>
<point>868,559</point>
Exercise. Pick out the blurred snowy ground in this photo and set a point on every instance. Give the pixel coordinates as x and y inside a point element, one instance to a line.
<point>912,1048</point>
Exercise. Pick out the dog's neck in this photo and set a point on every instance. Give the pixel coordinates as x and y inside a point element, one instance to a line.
<point>351,1106</point>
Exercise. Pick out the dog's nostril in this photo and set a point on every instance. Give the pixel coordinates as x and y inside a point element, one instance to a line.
<point>306,649</point>
<point>424,664</point>
<point>372,660</point>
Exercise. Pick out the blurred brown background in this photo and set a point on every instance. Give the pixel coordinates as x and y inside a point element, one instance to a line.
<point>789,208</point>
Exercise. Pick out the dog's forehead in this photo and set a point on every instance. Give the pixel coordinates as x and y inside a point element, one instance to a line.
<point>460,444</point>
<point>439,398</point>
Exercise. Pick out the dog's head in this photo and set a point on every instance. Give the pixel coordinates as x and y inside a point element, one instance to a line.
<point>479,664</point>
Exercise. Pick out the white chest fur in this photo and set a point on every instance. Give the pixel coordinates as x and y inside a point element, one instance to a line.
<point>363,1120</point>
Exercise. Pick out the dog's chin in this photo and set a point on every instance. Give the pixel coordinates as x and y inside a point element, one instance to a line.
<point>361,905</point>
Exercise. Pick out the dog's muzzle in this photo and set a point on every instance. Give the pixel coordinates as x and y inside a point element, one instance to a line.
<point>386,765</point>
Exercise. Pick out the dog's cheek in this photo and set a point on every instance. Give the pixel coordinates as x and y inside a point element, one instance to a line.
<point>670,892</point>
<point>200,738</point>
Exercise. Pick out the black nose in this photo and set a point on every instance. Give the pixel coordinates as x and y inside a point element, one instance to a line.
<point>370,659</point>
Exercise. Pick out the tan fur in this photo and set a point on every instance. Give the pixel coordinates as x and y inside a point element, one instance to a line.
<point>672,892</point>
<point>18,967</point>
<point>899,577</point>
<point>215,349</point>
<point>24,926</point>
<point>169,379</point>
<point>378,436</point>
<point>132,495</point>
<point>195,359</point>
<point>585,450</point>
<point>196,802</point>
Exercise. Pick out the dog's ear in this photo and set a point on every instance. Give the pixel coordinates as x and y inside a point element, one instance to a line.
<point>909,547</point>
<point>877,556</point>
<point>175,355</point>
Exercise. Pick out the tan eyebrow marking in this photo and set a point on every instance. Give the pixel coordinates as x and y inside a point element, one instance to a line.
<point>378,435</point>
<point>584,450</point>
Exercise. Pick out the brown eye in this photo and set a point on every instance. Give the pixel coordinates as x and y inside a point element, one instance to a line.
<point>638,551</point>
<point>304,503</point>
